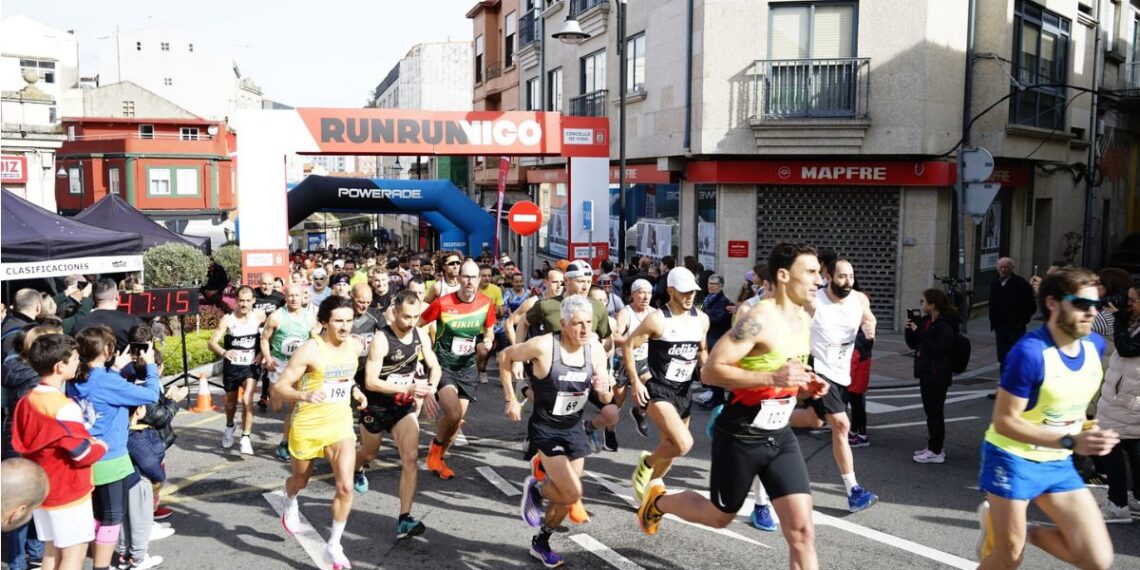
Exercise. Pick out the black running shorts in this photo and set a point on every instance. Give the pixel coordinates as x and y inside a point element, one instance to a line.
<point>551,441</point>
<point>466,381</point>
<point>680,395</point>
<point>775,459</point>
<point>378,419</point>
<point>833,402</point>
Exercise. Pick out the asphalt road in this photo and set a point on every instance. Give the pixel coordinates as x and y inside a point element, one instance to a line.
<point>925,518</point>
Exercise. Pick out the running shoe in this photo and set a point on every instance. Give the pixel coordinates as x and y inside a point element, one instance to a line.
<point>858,440</point>
<point>360,482</point>
<point>712,420</point>
<point>531,503</point>
<point>162,513</point>
<point>444,471</point>
<point>291,518</point>
<point>1134,505</point>
<point>1114,514</point>
<point>160,532</point>
<point>578,514</point>
<point>283,450</point>
<point>649,516</point>
<point>597,443</point>
<point>536,469</point>
<point>262,405</point>
<point>860,499</point>
<point>611,442</point>
<point>228,437</point>
<point>148,562</point>
<point>540,549</point>
<point>985,531</point>
<point>334,555</point>
<point>642,474</point>
<point>408,528</point>
<point>435,456</point>
<point>761,518</point>
<point>639,420</point>
<point>245,446</point>
<point>928,456</point>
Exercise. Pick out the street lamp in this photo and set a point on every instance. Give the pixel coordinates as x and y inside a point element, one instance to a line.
<point>571,32</point>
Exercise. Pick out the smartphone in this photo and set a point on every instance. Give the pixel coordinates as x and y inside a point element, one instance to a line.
<point>913,315</point>
<point>139,347</point>
<point>80,285</point>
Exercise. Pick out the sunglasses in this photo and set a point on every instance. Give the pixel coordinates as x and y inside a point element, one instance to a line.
<point>450,263</point>
<point>1081,303</point>
<point>607,283</point>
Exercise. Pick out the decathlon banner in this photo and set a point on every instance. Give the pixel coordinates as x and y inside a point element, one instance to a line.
<point>62,267</point>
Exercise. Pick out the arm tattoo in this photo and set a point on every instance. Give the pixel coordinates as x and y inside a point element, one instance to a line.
<point>746,328</point>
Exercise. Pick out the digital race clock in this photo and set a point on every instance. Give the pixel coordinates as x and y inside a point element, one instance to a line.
<point>160,302</point>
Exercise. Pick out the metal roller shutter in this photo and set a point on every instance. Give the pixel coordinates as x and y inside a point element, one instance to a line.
<point>860,223</point>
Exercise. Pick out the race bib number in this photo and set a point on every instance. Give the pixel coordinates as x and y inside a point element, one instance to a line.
<point>774,414</point>
<point>567,403</point>
<point>401,379</point>
<point>462,346</point>
<point>641,353</point>
<point>242,357</point>
<point>680,371</point>
<point>337,391</point>
<point>839,354</point>
<point>290,345</point>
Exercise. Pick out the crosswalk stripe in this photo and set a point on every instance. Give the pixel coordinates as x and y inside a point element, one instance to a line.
<point>604,552</point>
<point>497,480</point>
<point>310,541</point>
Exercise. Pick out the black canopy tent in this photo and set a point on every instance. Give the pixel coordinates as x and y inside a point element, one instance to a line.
<point>36,243</point>
<point>114,213</point>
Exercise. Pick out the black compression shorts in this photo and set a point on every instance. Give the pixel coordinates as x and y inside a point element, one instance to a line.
<point>776,460</point>
<point>680,395</point>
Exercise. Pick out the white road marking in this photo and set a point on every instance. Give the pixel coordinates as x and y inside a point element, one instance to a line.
<point>460,439</point>
<point>312,542</point>
<point>626,494</point>
<point>874,407</point>
<point>604,552</point>
<point>909,424</point>
<point>497,480</point>
<point>978,371</point>
<point>900,543</point>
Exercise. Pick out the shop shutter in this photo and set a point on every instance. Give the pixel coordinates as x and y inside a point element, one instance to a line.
<point>860,223</point>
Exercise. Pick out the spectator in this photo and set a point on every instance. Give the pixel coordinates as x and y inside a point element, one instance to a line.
<point>610,285</point>
<point>932,338</point>
<point>146,450</point>
<point>216,283</point>
<point>1113,289</point>
<point>27,307</point>
<point>1012,306</point>
<point>25,488</point>
<point>1117,410</point>
<point>319,290</point>
<point>719,308</point>
<point>660,290</point>
<point>107,313</point>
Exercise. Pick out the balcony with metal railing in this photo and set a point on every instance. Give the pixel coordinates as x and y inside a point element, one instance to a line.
<point>802,105</point>
<point>1132,75</point>
<point>528,28</point>
<point>592,104</point>
<point>578,7</point>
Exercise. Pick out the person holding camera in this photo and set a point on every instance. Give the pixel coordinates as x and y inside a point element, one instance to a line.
<point>1119,410</point>
<point>930,331</point>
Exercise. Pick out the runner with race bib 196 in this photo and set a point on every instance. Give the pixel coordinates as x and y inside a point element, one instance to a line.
<point>282,335</point>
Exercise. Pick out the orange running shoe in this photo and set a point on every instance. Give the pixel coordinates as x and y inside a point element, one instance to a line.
<point>578,514</point>
<point>444,471</point>
<point>649,516</point>
<point>536,469</point>
<point>435,456</point>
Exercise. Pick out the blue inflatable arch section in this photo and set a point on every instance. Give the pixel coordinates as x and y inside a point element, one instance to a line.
<point>462,224</point>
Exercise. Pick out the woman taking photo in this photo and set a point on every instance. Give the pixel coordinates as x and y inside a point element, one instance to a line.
<point>931,334</point>
<point>1119,410</point>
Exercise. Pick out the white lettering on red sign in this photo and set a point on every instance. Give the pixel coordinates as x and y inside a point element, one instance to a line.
<point>862,173</point>
<point>503,133</point>
<point>12,168</point>
<point>1000,175</point>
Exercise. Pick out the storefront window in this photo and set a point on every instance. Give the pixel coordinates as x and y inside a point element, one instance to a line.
<point>652,214</point>
<point>553,236</point>
<point>706,226</point>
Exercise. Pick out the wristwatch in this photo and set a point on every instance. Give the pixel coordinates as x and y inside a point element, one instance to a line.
<point>1068,441</point>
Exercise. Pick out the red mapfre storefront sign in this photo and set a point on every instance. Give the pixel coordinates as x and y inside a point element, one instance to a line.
<point>846,173</point>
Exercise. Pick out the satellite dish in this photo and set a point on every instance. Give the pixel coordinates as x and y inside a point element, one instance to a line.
<point>213,130</point>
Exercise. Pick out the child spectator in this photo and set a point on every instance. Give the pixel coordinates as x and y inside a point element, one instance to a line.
<point>147,453</point>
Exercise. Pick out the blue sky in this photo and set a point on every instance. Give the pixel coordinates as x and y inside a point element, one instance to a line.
<point>349,45</point>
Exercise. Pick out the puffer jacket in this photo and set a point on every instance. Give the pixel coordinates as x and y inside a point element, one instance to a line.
<point>1119,406</point>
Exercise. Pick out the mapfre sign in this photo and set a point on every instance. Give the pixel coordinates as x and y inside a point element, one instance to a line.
<point>13,169</point>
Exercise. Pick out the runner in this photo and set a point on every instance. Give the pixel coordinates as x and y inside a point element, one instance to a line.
<point>1050,377</point>
<point>628,319</point>
<point>579,277</point>
<point>495,294</point>
<point>265,299</point>
<point>449,282</point>
<point>518,329</point>
<point>242,357</point>
<point>394,382</point>
<point>608,412</point>
<point>565,366</point>
<point>318,377</point>
<point>762,360</point>
<point>463,316</point>
<point>282,334</point>
<point>676,339</point>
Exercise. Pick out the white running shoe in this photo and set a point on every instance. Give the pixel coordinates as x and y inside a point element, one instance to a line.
<point>922,451</point>
<point>148,562</point>
<point>1114,514</point>
<point>228,437</point>
<point>291,518</point>
<point>334,555</point>
<point>245,445</point>
<point>930,457</point>
<point>159,533</point>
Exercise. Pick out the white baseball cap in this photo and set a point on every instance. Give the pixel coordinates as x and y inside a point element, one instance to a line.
<point>682,280</point>
<point>579,268</point>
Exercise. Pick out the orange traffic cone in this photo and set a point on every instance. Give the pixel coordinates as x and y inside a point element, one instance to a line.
<point>203,403</point>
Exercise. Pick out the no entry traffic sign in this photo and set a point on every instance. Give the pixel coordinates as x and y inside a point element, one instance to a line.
<point>524,218</point>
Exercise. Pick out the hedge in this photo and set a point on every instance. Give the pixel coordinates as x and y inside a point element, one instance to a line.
<point>175,265</point>
<point>229,257</point>
<point>197,351</point>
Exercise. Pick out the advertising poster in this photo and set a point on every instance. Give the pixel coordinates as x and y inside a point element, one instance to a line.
<point>656,240</point>
<point>706,244</point>
<point>614,238</point>
<point>557,232</point>
<point>990,245</point>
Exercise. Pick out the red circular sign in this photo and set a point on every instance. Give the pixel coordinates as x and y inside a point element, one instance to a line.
<point>525,218</point>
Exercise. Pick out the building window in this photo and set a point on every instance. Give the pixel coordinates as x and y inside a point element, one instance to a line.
<point>1040,64</point>
<point>191,48</point>
<point>593,76</point>
<point>146,131</point>
<point>128,108</point>
<point>113,181</point>
<point>186,182</point>
<point>533,96</point>
<point>1134,59</point>
<point>45,69</point>
<point>138,46</point>
<point>164,46</point>
<point>159,181</point>
<point>554,90</point>
<point>479,59</point>
<point>509,40</point>
<point>52,114</point>
<point>167,81</point>
<point>635,64</point>
<point>811,69</point>
<point>188,134</point>
<point>75,180</point>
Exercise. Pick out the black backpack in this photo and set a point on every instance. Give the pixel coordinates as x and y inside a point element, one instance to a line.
<point>960,352</point>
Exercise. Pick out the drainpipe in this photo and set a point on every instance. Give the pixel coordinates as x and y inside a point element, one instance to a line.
<point>686,146</point>
<point>959,186</point>
<point>1090,172</point>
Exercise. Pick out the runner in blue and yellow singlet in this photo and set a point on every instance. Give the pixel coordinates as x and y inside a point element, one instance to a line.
<point>319,378</point>
<point>1050,377</point>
